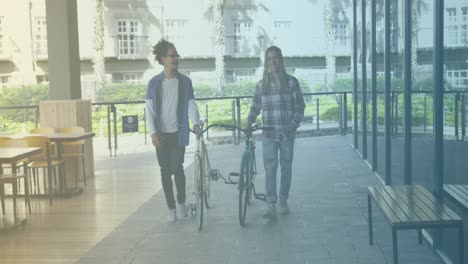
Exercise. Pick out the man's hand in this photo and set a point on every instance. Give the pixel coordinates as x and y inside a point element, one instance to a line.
<point>290,129</point>
<point>196,129</point>
<point>155,140</point>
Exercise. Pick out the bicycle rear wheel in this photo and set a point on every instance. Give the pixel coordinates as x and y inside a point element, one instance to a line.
<point>198,186</point>
<point>244,187</point>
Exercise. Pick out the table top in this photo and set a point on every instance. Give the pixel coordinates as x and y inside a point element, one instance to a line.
<point>9,155</point>
<point>59,137</point>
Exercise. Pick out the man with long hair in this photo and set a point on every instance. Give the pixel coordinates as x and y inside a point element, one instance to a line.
<point>279,98</point>
<point>169,104</point>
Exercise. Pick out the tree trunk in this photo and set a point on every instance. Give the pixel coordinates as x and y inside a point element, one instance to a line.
<point>330,40</point>
<point>218,9</point>
<point>98,59</point>
<point>414,39</point>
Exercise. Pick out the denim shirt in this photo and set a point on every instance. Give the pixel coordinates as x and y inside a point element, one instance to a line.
<point>153,106</point>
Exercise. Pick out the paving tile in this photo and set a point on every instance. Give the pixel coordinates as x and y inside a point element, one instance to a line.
<point>327,223</point>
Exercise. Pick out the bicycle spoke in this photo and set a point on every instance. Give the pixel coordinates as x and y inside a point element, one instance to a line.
<point>198,185</point>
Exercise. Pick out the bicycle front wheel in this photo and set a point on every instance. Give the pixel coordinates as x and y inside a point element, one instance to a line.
<point>198,186</point>
<point>244,187</point>
<point>207,178</point>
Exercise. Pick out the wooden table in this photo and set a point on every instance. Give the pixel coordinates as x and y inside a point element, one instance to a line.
<point>12,156</point>
<point>59,139</point>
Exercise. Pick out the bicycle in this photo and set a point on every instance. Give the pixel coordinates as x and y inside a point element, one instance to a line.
<point>202,176</point>
<point>248,171</point>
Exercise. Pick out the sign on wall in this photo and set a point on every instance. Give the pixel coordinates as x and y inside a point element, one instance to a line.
<point>130,124</point>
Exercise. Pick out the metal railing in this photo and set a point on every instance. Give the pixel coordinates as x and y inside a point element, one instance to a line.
<point>327,111</point>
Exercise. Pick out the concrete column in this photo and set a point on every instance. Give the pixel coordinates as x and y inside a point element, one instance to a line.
<point>63,47</point>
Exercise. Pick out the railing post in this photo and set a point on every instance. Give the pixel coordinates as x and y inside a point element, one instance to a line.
<point>233,121</point>
<point>463,116</point>
<point>318,113</point>
<point>109,130</point>
<point>396,113</point>
<point>114,110</point>
<point>206,120</point>
<point>425,112</point>
<point>144,122</point>
<point>345,113</point>
<point>457,98</point>
<point>340,112</point>
<point>36,116</point>
<point>238,119</point>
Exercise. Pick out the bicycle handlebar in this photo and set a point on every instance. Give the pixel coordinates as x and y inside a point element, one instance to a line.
<point>200,132</point>
<point>246,131</point>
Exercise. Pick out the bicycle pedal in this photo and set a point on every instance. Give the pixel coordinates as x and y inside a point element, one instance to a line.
<point>214,174</point>
<point>191,209</point>
<point>260,196</point>
<point>234,174</point>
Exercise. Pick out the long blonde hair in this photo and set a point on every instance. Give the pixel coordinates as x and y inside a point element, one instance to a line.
<point>266,70</point>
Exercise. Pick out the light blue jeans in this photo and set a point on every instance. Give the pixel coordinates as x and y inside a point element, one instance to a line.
<point>270,161</point>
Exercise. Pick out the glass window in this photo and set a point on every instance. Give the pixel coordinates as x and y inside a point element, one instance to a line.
<point>464,14</point>
<point>127,77</point>
<point>340,32</point>
<point>4,81</point>
<point>281,31</point>
<point>40,36</point>
<point>242,75</point>
<point>129,37</point>
<point>456,75</point>
<point>241,32</point>
<point>175,29</point>
<point>451,15</point>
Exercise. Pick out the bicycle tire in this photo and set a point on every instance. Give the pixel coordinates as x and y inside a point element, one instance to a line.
<point>252,171</point>
<point>207,179</point>
<point>198,186</point>
<point>244,187</point>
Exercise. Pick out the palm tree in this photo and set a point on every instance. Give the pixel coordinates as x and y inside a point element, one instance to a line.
<point>98,59</point>
<point>418,6</point>
<point>218,7</point>
<point>334,11</point>
<point>330,58</point>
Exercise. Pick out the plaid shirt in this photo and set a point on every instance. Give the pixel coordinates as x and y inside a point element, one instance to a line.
<point>281,109</point>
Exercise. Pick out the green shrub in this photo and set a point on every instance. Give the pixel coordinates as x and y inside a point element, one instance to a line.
<point>202,90</point>
<point>24,95</point>
<point>119,92</point>
<point>241,88</point>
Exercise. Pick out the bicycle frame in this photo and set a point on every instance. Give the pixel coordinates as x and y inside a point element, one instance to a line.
<point>248,171</point>
<point>250,150</point>
<point>201,176</point>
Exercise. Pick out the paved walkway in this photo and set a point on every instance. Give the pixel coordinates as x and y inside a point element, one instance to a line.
<point>327,224</point>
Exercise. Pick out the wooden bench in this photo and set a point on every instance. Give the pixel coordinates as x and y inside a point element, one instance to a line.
<point>458,194</point>
<point>412,207</point>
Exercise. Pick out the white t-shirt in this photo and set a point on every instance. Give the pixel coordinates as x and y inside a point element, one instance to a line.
<point>168,116</point>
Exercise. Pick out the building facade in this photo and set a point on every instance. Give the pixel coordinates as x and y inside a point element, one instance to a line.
<point>131,28</point>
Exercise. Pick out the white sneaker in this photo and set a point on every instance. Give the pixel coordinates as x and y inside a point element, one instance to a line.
<point>283,207</point>
<point>182,210</point>
<point>270,211</point>
<point>171,216</point>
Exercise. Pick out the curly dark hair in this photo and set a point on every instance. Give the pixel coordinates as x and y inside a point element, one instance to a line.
<point>160,49</point>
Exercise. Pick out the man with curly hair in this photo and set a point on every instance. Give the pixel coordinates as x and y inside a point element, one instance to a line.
<point>169,105</point>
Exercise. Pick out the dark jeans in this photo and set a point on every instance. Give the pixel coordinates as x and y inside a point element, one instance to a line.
<point>171,160</point>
